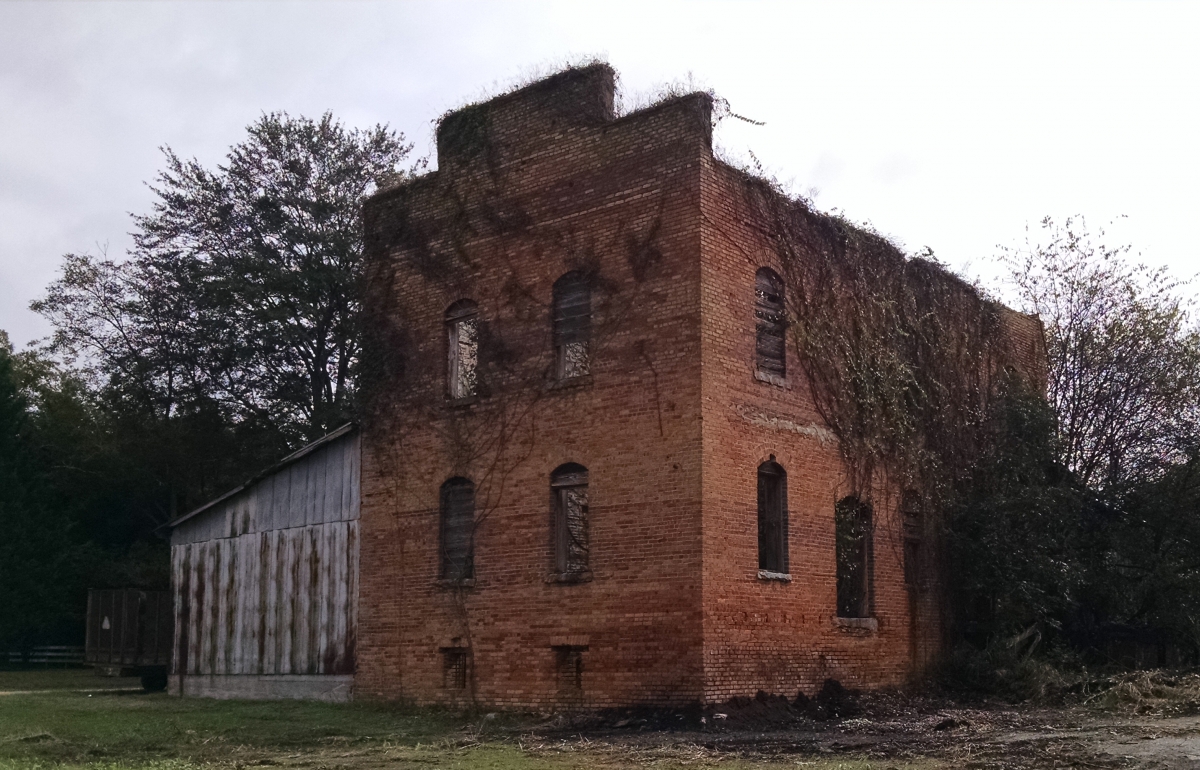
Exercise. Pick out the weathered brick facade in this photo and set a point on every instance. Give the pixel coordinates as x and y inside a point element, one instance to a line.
<point>671,424</point>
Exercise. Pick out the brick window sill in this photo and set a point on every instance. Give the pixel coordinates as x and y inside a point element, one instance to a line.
<point>569,577</point>
<point>772,379</point>
<point>775,577</point>
<point>456,583</point>
<point>857,624</point>
<point>461,402</point>
<point>582,381</point>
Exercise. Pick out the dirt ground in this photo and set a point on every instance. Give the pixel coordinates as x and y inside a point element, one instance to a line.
<point>71,720</point>
<point>986,737</point>
<point>1146,720</point>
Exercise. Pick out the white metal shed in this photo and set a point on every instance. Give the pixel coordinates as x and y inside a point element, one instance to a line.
<point>265,581</point>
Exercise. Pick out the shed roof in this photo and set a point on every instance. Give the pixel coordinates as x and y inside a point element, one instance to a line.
<point>300,453</point>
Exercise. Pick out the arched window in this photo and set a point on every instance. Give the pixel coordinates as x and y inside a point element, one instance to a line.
<point>458,529</point>
<point>462,359</point>
<point>770,322</point>
<point>569,488</point>
<point>853,521</point>
<point>772,518</point>
<point>572,325</point>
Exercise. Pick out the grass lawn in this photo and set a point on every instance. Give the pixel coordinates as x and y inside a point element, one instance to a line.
<point>67,719</point>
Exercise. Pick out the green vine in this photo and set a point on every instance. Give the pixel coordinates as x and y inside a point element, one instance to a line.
<point>903,358</point>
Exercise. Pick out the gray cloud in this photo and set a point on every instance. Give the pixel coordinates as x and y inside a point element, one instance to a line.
<point>1007,111</point>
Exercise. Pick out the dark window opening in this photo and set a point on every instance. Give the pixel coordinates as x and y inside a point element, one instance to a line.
<point>853,521</point>
<point>572,325</point>
<point>454,668</point>
<point>458,529</point>
<point>462,359</point>
<point>912,521</point>
<point>569,487</point>
<point>568,664</point>
<point>770,323</point>
<point>772,518</point>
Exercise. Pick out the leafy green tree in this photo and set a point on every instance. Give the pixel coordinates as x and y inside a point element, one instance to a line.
<point>38,549</point>
<point>1083,519</point>
<point>231,332</point>
<point>242,290</point>
<point>1016,536</point>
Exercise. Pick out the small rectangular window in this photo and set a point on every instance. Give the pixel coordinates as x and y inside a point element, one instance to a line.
<point>454,668</point>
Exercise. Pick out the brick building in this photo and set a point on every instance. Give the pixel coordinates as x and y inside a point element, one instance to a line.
<point>594,474</point>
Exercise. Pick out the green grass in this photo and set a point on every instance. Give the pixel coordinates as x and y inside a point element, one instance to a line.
<point>70,722</point>
<point>62,679</point>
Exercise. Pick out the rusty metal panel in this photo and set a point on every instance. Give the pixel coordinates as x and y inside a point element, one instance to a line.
<point>343,504</point>
<point>287,599</point>
<point>355,476</point>
<point>195,605</point>
<point>180,583</point>
<point>212,603</point>
<point>324,594</point>
<point>335,482</point>
<point>129,627</point>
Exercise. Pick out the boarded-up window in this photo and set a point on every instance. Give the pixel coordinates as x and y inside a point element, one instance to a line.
<point>569,487</point>
<point>462,332</point>
<point>772,518</point>
<point>458,529</point>
<point>572,325</point>
<point>770,357</point>
<point>454,668</point>
<point>853,521</point>
<point>568,664</point>
<point>911,513</point>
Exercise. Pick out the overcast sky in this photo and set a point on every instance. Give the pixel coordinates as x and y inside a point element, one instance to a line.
<point>949,125</point>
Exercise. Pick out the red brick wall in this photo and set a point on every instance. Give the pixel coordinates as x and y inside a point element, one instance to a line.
<point>619,198</point>
<point>766,634</point>
<point>672,425</point>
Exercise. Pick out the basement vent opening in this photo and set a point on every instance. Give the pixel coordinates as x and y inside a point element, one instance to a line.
<point>454,668</point>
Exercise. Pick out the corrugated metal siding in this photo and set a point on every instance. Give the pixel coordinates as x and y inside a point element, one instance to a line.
<point>266,582</point>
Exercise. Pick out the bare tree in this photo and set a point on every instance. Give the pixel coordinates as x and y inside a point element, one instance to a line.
<point>1124,357</point>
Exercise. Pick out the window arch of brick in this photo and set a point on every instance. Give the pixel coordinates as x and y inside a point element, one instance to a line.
<point>569,490</point>
<point>462,350</point>
<point>457,536</point>
<point>572,315</point>
<point>770,325</point>
<point>772,518</point>
<point>854,557</point>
